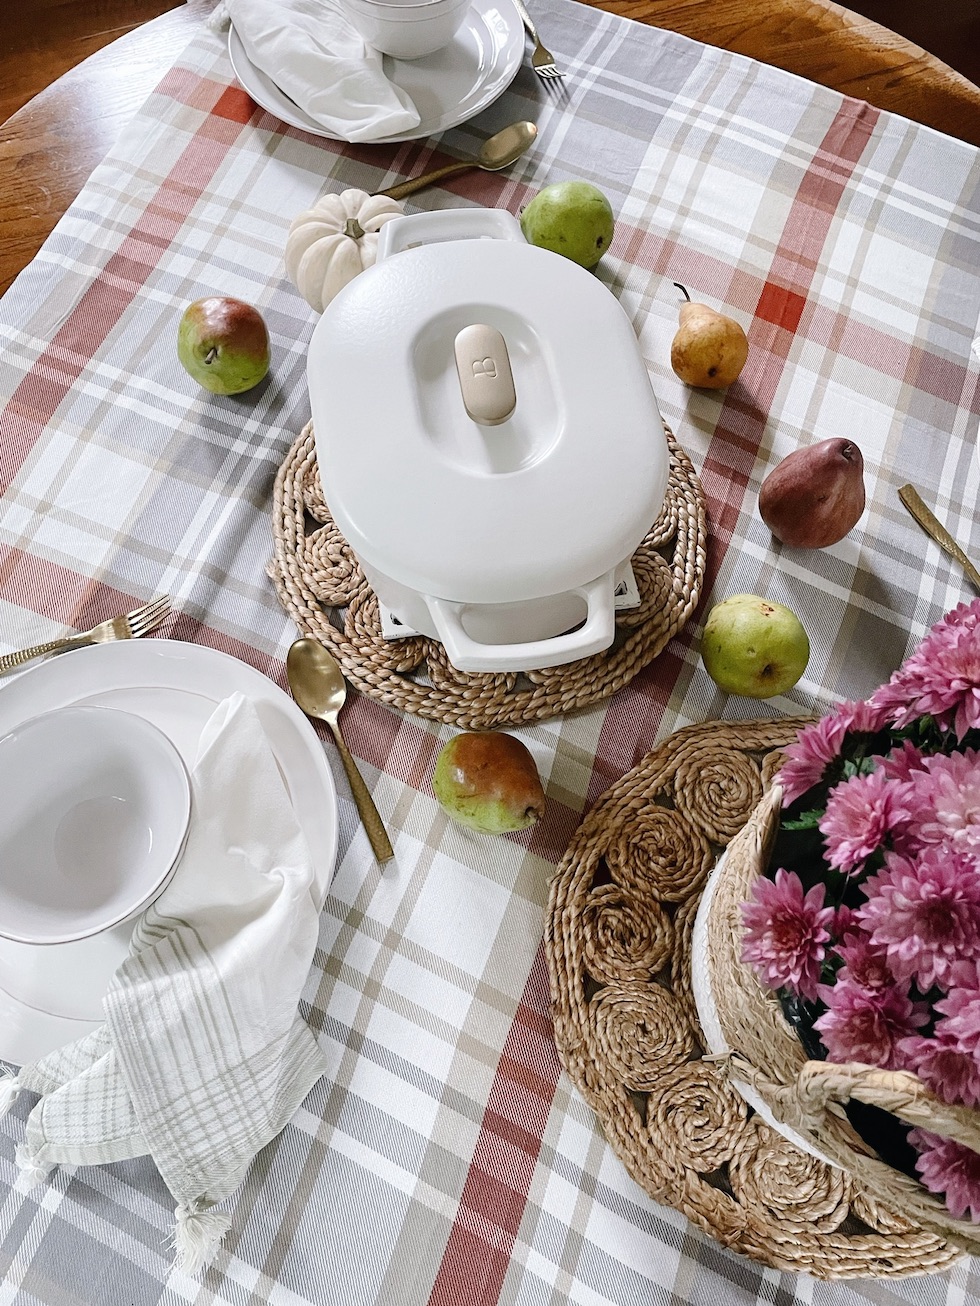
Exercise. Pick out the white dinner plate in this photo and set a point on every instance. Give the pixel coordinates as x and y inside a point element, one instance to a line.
<point>52,995</point>
<point>447,87</point>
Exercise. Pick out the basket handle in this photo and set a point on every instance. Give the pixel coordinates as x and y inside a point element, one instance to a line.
<point>820,1084</point>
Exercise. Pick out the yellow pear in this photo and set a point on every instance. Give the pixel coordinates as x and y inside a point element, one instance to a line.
<point>709,349</point>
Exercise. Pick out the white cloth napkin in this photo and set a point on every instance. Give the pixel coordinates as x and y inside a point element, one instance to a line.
<point>311,51</point>
<point>203,1057</point>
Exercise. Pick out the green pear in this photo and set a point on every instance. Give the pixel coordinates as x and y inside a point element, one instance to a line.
<point>573,218</point>
<point>224,344</point>
<point>754,648</point>
<point>488,781</point>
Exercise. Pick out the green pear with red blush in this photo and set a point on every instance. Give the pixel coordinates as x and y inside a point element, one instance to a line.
<point>487,780</point>
<point>223,343</point>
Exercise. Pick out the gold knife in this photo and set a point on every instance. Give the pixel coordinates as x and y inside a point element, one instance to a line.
<point>934,527</point>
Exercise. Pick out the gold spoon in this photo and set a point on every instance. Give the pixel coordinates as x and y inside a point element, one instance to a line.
<point>932,526</point>
<point>319,688</point>
<point>500,151</point>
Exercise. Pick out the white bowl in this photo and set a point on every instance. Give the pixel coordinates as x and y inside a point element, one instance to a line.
<point>95,811</point>
<point>407,30</point>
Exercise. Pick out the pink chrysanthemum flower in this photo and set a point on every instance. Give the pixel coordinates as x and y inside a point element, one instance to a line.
<point>845,920</point>
<point>860,814</point>
<point>959,1021</point>
<point>941,678</point>
<point>861,717</point>
<point>865,966</point>
<point>951,1170</point>
<point>965,616</point>
<point>902,763</point>
<point>786,933</point>
<point>944,801</point>
<point>951,1073</point>
<point>925,913</point>
<point>965,974</point>
<point>866,1026</point>
<point>816,746</point>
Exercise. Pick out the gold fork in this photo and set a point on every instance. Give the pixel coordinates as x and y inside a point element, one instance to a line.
<point>133,625</point>
<point>542,60</point>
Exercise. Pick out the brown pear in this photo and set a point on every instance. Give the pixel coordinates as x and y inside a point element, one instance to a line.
<point>709,349</point>
<point>815,495</point>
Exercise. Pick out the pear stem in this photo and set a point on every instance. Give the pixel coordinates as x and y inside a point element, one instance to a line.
<point>211,355</point>
<point>683,289</point>
<point>353,229</point>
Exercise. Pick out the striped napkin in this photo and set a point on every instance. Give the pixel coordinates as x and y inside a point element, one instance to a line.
<point>203,1057</point>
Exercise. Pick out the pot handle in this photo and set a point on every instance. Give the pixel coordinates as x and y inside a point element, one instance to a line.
<point>468,654</point>
<point>446,224</point>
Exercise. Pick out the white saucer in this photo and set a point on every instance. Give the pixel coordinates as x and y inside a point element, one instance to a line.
<point>176,687</point>
<point>447,87</point>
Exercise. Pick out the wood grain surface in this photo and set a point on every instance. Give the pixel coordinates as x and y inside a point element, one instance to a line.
<point>50,145</point>
<point>828,44</point>
<point>41,39</point>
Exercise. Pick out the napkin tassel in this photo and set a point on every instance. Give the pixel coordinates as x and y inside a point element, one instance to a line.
<point>9,1090</point>
<point>33,1170</point>
<point>198,1232</point>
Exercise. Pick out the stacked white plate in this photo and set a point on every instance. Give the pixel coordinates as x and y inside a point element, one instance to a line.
<point>51,994</point>
<point>447,88</point>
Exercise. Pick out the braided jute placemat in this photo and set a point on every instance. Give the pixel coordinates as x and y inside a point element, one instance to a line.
<point>618,940</point>
<point>320,584</point>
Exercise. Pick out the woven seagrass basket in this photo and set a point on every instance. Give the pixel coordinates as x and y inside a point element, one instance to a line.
<point>766,1059</point>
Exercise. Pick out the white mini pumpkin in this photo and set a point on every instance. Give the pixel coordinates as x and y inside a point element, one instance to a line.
<point>330,243</point>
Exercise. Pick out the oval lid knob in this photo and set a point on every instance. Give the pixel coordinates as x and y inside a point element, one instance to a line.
<point>486,381</point>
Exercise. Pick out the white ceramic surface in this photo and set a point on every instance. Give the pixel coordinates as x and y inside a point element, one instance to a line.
<point>448,87</point>
<point>707,1009</point>
<point>52,995</point>
<point>96,805</point>
<point>484,535</point>
<point>406,30</point>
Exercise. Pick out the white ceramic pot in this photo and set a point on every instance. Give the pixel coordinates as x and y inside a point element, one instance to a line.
<point>487,437</point>
<point>707,1008</point>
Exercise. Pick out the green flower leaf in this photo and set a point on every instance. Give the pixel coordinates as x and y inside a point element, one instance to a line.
<point>806,821</point>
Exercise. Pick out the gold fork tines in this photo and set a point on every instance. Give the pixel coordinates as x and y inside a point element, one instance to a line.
<point>133,625</point>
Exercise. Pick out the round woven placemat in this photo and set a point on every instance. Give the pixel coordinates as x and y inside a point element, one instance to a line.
<point>618,940</point>
<point>321,586</point>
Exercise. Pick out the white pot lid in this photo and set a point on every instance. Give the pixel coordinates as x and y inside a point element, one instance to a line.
<point>553,495</point>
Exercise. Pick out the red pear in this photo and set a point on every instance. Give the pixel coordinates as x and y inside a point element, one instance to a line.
<point>815,495</point>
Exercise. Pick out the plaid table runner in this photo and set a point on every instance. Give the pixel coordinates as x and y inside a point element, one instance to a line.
<point>445,1158</point>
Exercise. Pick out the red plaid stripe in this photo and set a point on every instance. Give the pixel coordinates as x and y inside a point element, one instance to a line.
<point>35,400</point>
<point>495,1193</point>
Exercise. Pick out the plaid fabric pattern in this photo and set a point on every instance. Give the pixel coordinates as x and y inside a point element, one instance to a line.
<point>444,1158</point>
<point>203,1056</point>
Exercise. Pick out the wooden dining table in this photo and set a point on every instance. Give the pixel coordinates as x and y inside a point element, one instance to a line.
<point>49,147</point>
<point>519,1103</point>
